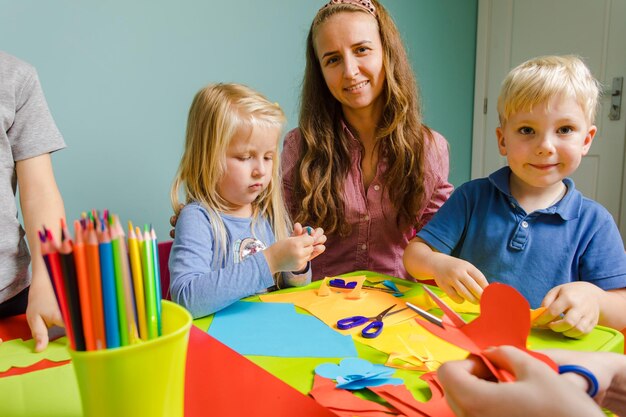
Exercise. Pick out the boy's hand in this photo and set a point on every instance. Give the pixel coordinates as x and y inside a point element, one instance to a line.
<point>458,278</point>
<point>318,236</point>
<point>572,309</point>
<point>291,254</point>
<point>42,312</point>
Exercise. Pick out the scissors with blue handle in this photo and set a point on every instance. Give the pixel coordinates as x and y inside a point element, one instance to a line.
<point>371,330</point>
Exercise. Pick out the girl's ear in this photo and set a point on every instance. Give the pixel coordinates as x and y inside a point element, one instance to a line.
<point>589,139</point>
<point>501,141</point>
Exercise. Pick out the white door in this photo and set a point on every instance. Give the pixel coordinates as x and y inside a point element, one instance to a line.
<point>510,32</point>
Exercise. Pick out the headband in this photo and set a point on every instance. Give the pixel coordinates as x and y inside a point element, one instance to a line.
<point>363,4</point>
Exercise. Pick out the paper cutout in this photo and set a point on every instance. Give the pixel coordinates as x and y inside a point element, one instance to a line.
<point>326,289</point>
<point>50,392</point>
<point>402,399</point>
<point>15,327</point>
<point>336,306</point>
<point>504,320</point>
<point>43,364</point>
<point>19,353</point>
<point>275,329</point>
<point>220,382</point>
<point>356,373</point>
<point>343,403</point>
<point>412,341</point>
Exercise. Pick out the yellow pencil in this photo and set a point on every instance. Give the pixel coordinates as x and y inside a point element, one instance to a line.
<point>135,264</point>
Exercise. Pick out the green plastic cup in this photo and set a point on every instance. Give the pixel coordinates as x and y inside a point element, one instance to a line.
<point>143,379</point>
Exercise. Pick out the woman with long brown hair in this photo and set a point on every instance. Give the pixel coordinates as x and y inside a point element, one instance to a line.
<point>362,165</point>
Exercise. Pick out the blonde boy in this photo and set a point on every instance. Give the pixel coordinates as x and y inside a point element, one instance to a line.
<point>526,225</point>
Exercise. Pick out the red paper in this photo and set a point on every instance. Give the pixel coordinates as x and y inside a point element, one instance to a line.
<point>221,382</point>
<point>15,327</point>
<point>42,364</point>
<point>504,320</point>
<point>344,403</point>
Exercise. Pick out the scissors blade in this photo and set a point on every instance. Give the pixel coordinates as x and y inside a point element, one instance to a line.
<point>456,319</point>
<point>426,315</point>
<point>383,313</point>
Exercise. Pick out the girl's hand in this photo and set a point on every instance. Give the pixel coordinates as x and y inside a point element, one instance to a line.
<point>318,236</point>
<point>572,309</point>
<point>291,254</point>
<point>459,279</point>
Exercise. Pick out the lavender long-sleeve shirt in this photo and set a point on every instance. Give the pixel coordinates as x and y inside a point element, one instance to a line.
<point>376,243</point>
<point>203,287</point>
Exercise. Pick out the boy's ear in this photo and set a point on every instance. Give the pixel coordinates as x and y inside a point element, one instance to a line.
<point>589,139</point>
<point>501,141</point>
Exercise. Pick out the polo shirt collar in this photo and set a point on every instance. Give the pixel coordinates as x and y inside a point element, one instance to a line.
<point>568,208</point>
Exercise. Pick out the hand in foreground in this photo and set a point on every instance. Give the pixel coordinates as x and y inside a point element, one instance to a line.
<point>608,367</point>
<point>537,392</point>
<point>572,309</point>
<point>42,312</point>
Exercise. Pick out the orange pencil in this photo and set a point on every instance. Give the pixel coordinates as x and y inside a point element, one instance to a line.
<point>95,284</point>
<point>84,291</point>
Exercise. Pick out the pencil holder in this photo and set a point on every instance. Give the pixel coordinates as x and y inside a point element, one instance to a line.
<point>143,379</point>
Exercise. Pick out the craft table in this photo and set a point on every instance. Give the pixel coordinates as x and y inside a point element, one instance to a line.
<point>219,381</point>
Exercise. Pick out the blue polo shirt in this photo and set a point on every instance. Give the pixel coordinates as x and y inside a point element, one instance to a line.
<point>576,239</point>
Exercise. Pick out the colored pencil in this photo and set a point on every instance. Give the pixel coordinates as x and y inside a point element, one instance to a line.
<point>157,277</point>
<point>93,268</point>
<point>84,290</point>
<point>109,295</point>
<point>120,292</point>
<point>49,250</point>
<point>135,263</point>
<point>120,256</point>
<point>149,287</point>
<point>70,280</point>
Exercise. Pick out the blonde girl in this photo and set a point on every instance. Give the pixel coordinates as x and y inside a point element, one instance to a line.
<point>233,236</point>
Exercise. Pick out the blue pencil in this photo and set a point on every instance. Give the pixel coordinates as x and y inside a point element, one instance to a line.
<point>109,296</point>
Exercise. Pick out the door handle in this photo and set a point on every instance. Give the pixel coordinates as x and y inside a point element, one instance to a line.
<point>616,98</point>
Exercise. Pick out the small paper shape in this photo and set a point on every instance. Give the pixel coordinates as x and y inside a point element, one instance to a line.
<point>356,373</point>
<point>344,403</point>
<point>353,293</point>
<point>21,354</point>
<point>402,399</point>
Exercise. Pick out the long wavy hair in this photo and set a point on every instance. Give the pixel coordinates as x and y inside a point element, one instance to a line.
<point>217,113</point>
<point>401,136</point>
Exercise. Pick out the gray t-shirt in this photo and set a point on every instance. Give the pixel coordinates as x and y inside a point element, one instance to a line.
<point>28,130</point>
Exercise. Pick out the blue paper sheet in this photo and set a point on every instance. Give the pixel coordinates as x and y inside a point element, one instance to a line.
<point>276,329</point>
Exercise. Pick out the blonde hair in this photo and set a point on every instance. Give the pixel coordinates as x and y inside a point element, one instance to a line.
<point>217,113</point>
<point>401,136</point>
<point>539,79</point>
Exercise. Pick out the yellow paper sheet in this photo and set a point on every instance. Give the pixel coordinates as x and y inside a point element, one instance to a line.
<point>408,338</point>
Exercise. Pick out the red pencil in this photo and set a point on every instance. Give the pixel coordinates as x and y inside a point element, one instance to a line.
<point>56,275</point>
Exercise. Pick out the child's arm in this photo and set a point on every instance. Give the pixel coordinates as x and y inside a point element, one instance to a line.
<point>41,204</point>
<point>458,278</point>
<point>575,308</point>
<point>196,283</point>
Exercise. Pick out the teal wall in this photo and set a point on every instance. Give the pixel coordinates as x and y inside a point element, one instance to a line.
<point>119,76</point>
